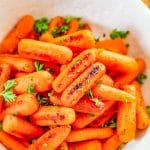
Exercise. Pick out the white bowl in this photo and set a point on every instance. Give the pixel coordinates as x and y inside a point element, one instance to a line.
<point>104,15</point>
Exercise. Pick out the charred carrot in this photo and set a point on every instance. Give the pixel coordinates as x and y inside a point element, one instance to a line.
<point>10,142</point>
<point>77,41</point>
<point>112,143</point>
<point>86,145</point>
<point>44,51</point>
<point>24,105</point>
<point>82,84</point>
<point>21,30</point>
<point>51,139</point>
<point>73,70</point>
<point>53,115</point>
<point>116,45</point>
<point>63,146</point>
<point>25,130</point>
<point>17,62</point>
<point>126,117</point>
<point>40,81</point>
<point>73,26</point>
<point>89,134</point>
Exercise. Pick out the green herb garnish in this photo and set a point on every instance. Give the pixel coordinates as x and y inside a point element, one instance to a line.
<point>97,39</point>
<point>42,100</point>
<point>96,101</point>
<point>141,78</point>
<point>119,148</point>
<point>50,94</point>
<point>67,19</point>
<point>81,25</point>
<point>62,148</point>
<point>38,65</point>
<point>89,93</point>
<point>148,110</point>
<point>30,89</point>
<point>118,34</point>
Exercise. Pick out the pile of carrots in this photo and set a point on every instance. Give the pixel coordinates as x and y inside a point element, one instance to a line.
<point>68,92</point>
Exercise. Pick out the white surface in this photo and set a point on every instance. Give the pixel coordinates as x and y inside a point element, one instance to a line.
<point>104,15</point>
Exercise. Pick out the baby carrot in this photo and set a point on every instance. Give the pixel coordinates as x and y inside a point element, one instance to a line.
<point>73,70</point>
<point>73,26</point>
<point>20,128</point>
<point>51,139</point>
<point>53,115</point>
<point>40,82</point>
<point>112,143</point>
<point>115,61</point>
<point>77,41</point>
<point>10,142</point>
<point>63,146</point>
<point>21,30</point>
<point>20,74</point>
<point>17,62</point>
<point>44,51</point>
<point>46,37</point>
<point>82,84</point>
<point>89,134</point>
<point>126,117</point>
<point>101,91</point>
<point>86,145</point>
<point>24,105</point>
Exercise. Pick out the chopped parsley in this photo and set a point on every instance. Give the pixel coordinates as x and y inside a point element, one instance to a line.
<point>89,93</point>
<point>112,124</point>
<point>118,34</point>
<point>97,39</point>
<point>50,94</point>
<point>41,25</point>
<point>141,78</point>
<point>97,101</point>
<point>38,65</point>
<point>68,19</point>
<point>30,89</point>
<point>88,81</point>
<point>148,110</point>
<point>42,100</point>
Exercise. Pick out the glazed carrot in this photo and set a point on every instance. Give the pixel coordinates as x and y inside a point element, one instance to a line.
<point>5,70</point>
<point>73,70</point>
<point>84,119</point>
<point>82,84</point>
<point>24,105</point>
<point>86,145</point>
<point>117,45</point>
<point>20,128</point>
<point>53,115</point>
<point>89,134</point>
<point>112,143</point>
<point>55,98</point>
<point>20,74</point>
<point>51,139</point>
<point>21,30</point>
<point>10,142</point>
<point>105,117</point>
<point>73,26</point>
<point>101,91</point>
<point>55,22</point>
<point>142,118</point>
<point>115,61</point>
<point>44,51</point>
<point>17,62</point>
<point>77,41</point>
<point>63,146</point>
<point>41,81</point>
<point>124,79</point>
<point>126,117</point>
<point>46,37</point>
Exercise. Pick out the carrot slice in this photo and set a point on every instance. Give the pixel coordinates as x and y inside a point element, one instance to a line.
<point>82,84</point>
<point>44,51</point>
<point>53,115</point>
<point>51,139</point>
<point>73,70</point>
<point>25,130</point>
<point>89,134</point>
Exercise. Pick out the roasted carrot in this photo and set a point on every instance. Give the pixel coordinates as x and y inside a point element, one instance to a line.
<point>53,115</point>
<point>77,41</point>
<point>63,146</point>
<point>89,134</point>
<point>142,118</point>
<point>73,70</point>
<point>105,117</point>
<point>10,142</point>
<point>112,143</point>
<point>41,82</point>
<point>116,45</point>
<point>20,74</point>
<point>126,117</point>
<point>101,91</point>
<point>46,37</point>
<point>44,51</point>
<point>115,61</point>
<point>82,84</point>
<point>20,128</point>
<point>84,119</point>
<point>24,105</point>
<point>73,26</point>
<point>21,30</point>
<point>86,145</point>
<point>17,62</point>
<point>51,139</point>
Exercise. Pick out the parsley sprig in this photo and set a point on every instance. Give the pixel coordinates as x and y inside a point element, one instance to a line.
<point>7,94</point>
<point>38,65</point>
<point>118,34</point>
